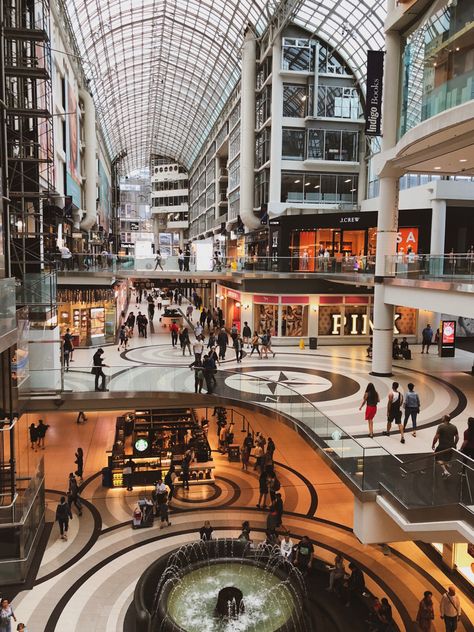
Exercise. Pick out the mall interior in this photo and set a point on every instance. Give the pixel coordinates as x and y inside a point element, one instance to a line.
<point>227,228</point>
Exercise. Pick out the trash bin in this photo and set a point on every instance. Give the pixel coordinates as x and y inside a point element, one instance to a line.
<point>106,477</point>
<point>313,343</point>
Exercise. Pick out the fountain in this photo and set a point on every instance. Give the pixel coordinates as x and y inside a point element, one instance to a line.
<point>223,585</point>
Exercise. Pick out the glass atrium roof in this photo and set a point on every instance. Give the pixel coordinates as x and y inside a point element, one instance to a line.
<point>161,70</point>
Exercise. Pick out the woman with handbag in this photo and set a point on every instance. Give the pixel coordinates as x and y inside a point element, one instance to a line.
<point>425,615</point>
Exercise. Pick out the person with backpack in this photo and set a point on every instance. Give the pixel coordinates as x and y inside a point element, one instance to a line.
<point>63,515</point>
<point>79,461</point>
<point>264,341</point>
<point>412,407</point>
<point>394,410</point>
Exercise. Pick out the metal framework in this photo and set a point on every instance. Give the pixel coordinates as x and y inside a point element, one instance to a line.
<point>164,69</point>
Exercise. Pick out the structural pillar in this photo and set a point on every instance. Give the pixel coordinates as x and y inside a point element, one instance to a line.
<point>438,227</point>
<point>387,225</point>
<point>90,161</point>
<point>274,187</point>
<point>247,130</point>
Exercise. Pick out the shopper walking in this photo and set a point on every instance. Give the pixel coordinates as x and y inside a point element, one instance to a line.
<point>68,344</point>
<point>158,259</point>
<point>187,258</point>
<point>174,329</point>
<point>198,348</point>
<point>467,446</point>
<point>255,342</point>
<point>184,340</point>
<point>63,515</point>
<point>263,487</point>
<point>41,429</point>
<point>79,461</point>
<point>73,496</point>
<point>426,338</point>
<point>246,334</point>
<point>123,338</point>
<point>370,401</point>
<point>247,446</point>
<point>450,608</point>
<point>151,310</point>
<point>394,412</point>
<point>412,407</point>
<point>6,616</point>
<point>170,480</point>
<point>426,615</point>
<point>447,438</point>
<point>269,342</point>
<point>130,322</point>
<point>239,348</point>
<point>97,369</point>
<point>33,437</point>
<point>223,342</point>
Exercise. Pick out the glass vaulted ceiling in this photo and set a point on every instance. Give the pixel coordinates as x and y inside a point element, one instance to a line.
<point>161,70</point>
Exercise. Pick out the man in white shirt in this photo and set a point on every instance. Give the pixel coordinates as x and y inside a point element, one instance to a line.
<point>450,608</point>
<point>66,258</point>
<point>198,348</point>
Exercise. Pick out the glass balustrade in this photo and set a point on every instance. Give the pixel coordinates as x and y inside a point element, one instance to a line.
<point>457,267</point>
<point>340,264</point>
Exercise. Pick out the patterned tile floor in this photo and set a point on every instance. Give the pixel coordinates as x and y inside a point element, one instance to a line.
<point>87,582</point>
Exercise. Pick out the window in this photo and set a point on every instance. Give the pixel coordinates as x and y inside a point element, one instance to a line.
<point>234,174</point>
<point>266,317</point>
<point>315,188</point>
<point>294,101</point>
<point>234,117</point>
<point>329,64</point>
<point>263,106</point>
<point>338,102</point>
<point>312,188</point>
<point>262,148</point>
<point>292,187</point>
<point>293,144</point>
<point>315,144</point>
<point>261,187</point>
<point>234,143</point>
<point>297,54</point>
<point>294,320</point>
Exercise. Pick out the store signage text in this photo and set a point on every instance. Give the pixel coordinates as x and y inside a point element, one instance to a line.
<point>373,108</point>
<point>360,324</point>
<point>347,220</point>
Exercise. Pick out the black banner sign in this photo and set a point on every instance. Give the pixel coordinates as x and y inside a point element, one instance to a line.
<point>373,106</point>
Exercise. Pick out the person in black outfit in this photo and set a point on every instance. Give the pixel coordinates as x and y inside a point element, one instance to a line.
<point>68,346</point>
<point>208,367</point>
<point>355,585</point>
<point>206,531</point>
<point>63,515</point>
<point>222,341</point>
<point>169,480</point>
<point>187,257</point>
<point>73,494</point>
<point>185,470</point>
<point>198,374</point>
<point>97,370</point>
<point>41,430</point>
<point>79,462</point>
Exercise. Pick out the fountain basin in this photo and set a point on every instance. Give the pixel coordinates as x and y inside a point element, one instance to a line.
<point>187,585</point>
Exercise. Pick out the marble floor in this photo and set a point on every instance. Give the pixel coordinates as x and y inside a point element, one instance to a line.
<point>87,582</point>
<point>332,378</point>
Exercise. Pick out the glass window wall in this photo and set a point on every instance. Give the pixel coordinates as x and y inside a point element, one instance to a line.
<point>437,63</point>
<point>297,54</point>
<point>294,100</point>
<point>294,320</point>
<point>293,144</point>
<point>339,102</point>
<point>315,188</point>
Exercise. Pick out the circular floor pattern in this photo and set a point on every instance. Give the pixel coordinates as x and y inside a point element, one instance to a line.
<point>287,385</point>
<point>164,355</point>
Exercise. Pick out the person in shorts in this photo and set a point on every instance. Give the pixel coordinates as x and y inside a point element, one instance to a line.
<point>394,410</point>
<point>447,438</point>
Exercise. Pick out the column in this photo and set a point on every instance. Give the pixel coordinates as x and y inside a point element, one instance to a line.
<point>274,188</point>
<point>90,161</point>
<point>438,233</point>
<point>247,130</point>
<point>387,225</point>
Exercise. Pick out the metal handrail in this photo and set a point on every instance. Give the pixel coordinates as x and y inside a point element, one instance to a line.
<point>432,455</point>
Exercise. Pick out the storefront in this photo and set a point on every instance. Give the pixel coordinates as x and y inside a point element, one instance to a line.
<point>156,439</point>
<point>93,315</point>
<point>305,239</point>
<point>230,303</point>
<point>458,557</point>
<point>333,319</point>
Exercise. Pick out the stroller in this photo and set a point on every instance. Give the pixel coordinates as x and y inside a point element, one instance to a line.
<point>143,514</point>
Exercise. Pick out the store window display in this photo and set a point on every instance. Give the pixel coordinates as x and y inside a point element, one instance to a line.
<point>266,317</point>
<point>294,320</point>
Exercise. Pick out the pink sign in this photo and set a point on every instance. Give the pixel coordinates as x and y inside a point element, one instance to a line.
<point>356,300</point>
<point>296,300</point>
<point>330,300</point>
<point>262,298</point>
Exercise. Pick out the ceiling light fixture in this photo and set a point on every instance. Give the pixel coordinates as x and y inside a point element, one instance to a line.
<point>316,186</point>
<point>462,159</point>
<point>297,181</point>
<point>437,168</point>
<point>307,184</point>
<point>348,180</point>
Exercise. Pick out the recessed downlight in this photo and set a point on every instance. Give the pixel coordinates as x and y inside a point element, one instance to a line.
<point>297,181</point>
<point>437,168</point>
<point>348,180</point>
<point>462,159</point>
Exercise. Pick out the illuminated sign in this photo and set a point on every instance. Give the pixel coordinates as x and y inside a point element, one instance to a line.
<point>360,324</point>
<point>407,238</point>
<point>141,445</point>
<point>448,338</point>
